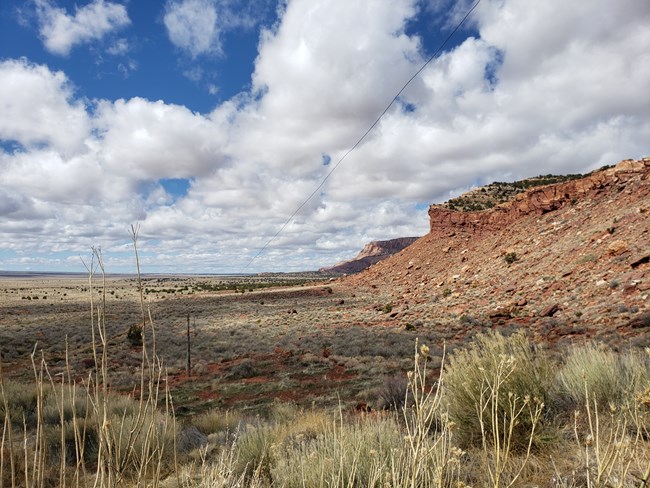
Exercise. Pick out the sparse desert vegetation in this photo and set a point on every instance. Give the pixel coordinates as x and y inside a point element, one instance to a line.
<point>256,411</point>
<point>498,412</point>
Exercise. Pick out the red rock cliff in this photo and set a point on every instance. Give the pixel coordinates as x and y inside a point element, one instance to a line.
<point>540,200</point>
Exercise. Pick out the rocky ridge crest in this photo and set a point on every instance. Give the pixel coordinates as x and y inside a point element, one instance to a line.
<point>535,201</point>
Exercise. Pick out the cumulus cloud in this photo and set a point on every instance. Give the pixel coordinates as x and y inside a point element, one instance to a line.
<point>511,102</point>
<point>38,107</point>
<point>197,26</point>
<point>151,140</point>
<point>119,47</point>
<point>192,26</point>
<point>61,31</point>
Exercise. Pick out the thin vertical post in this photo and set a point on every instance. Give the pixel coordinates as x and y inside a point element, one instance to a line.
<point>189,357</point>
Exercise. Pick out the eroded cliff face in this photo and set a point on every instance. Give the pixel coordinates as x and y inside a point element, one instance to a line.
<point>536,201</point>
<point>372,253</point>
<point>385,248</point>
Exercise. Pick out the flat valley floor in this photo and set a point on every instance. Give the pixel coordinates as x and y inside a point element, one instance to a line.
<point>310,343</point>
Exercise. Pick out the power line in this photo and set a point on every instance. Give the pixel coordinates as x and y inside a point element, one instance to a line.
<point>365,134</point>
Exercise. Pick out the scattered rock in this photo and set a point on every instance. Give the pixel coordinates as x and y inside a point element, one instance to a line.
<point>640,260</point>
<point>549,310</point>
<point>629,289</point>
<point>617,248</point>
<point>501,313</point>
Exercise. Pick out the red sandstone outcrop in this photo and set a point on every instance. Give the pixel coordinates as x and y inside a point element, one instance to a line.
<point>569,261</point>
<point>536,201</point>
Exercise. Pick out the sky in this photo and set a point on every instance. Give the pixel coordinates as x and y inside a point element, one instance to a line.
<point>208,123</point>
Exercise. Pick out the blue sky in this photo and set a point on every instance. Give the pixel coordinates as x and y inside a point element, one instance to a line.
<point>210,121</point>
<point>137,57</point>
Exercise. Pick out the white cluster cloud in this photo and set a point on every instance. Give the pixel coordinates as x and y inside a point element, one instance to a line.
<point>38,108</point>
<point>192,26</point>
<point>157,140</point>
<point>549,87</point>
<point>197,26</point>
<point>61,31</point>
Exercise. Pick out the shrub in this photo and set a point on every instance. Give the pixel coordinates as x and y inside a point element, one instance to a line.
<point>134,335</point>
<point>495,375</point>
<point>392,393</point>
<point>610,378</point>
<point>214,421</point>
<point>245,369</point>
<point>21,402</point>
<point>511,257</point>
<point>356,453</point>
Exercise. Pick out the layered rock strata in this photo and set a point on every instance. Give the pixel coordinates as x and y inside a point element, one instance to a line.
<point>540,200</point>
<point>372,253</point>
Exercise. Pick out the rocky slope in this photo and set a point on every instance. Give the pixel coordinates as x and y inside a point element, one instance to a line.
<point>566,261</point>
<point>371,253</point>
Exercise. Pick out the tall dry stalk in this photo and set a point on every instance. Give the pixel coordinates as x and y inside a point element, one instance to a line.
<point>611,447</point>
<point>132,442</point>
<point>498,424</point>
<point>7,433</point>
<point>429,457</point>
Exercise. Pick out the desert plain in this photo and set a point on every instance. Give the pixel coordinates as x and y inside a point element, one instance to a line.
<point>308,341</point>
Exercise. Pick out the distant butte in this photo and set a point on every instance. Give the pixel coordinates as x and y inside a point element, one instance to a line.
<point>371,253</point>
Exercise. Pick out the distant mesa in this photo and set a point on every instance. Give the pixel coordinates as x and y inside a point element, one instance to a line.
<point>371,253</point>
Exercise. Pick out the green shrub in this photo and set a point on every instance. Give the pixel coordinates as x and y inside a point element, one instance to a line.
<point>495,374</point>
<point>611,378</point>
<point>134,335</point>
<point>21,402</point>
<point>214,421</point>
<point>356,453</point>
<point>392,393</point>
<point>254,453</point>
